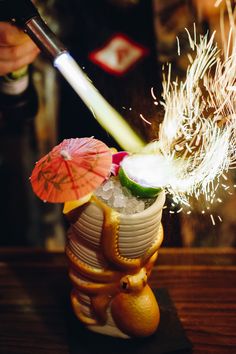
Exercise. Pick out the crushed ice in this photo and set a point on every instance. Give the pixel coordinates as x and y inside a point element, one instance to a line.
<point>120,198</point>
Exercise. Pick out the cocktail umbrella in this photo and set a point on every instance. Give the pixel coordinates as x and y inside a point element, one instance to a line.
<point>71,170</point>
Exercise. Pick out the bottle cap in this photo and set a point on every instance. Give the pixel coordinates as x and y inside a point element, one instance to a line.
<point>15,83</point>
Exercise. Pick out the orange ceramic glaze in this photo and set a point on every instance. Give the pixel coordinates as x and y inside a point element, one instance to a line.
<point>111,257</point>
<point>137,313</point>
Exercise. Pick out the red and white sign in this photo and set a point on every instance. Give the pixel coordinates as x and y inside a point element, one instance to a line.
<point>118,55</point>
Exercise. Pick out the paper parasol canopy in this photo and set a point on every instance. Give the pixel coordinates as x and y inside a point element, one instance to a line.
<point>71,170</point>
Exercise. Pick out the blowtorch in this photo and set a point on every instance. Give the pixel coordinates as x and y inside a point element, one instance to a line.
<point>25,15</point>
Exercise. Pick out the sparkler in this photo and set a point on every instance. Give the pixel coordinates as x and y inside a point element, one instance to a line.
<point>197,138</point>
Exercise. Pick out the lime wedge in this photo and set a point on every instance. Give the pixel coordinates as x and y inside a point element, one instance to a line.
<point>136,174</point>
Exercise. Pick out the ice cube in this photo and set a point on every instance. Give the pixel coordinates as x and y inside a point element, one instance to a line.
<point>108,185</point>
<point>120,198</point>
<point>119,201</point>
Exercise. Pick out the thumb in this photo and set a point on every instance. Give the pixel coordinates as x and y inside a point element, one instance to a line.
<point>10,35</point>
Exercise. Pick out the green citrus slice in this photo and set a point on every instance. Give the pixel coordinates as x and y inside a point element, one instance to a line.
<point>141,175</point>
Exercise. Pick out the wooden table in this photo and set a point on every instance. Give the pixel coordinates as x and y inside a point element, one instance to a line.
<point>34,293</point>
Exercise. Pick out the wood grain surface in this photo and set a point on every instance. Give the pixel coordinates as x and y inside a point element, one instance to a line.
<point>34,298</point>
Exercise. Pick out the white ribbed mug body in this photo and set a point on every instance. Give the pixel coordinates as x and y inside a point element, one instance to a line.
<point>111,253</point>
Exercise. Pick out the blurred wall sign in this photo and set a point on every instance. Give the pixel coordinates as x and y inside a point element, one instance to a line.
<point>118,55</point>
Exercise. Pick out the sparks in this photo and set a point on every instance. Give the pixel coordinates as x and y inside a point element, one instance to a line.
<point>197,135</point>
<point>213,220</point>
<point>144,119</point>
<point>152,93</point>
<point>179,210</point>
<point>197,138</point>
<point>220,218</point>
<point>178,45</point>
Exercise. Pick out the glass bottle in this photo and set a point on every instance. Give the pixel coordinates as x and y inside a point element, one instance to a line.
<point>18,150</point>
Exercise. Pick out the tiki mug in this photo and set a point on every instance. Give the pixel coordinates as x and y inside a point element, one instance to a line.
<point>111,256</point>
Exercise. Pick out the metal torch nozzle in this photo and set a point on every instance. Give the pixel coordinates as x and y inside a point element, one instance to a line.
<point>44,38</point>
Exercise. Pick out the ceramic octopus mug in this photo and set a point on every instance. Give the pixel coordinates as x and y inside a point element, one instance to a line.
<point>111,256</point>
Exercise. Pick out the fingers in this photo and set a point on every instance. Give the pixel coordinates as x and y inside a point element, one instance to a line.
<point>9,66</point>
<point>14,53</point>
<point>16,49</point>
<point>11,35</point>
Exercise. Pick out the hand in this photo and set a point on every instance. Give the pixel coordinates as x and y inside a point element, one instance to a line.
<point>16,49</point>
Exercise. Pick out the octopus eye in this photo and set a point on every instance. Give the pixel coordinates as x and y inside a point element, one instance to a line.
<point>124,285</point>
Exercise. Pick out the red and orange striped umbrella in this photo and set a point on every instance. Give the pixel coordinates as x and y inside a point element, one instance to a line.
<point>71,170</point>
